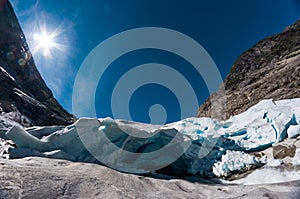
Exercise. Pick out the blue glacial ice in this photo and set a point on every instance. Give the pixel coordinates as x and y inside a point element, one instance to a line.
<point>193,146</point>
<point>235,162</point>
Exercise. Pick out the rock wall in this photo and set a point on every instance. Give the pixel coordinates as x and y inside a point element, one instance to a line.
<point>270,69</point>
<point>23,92</point>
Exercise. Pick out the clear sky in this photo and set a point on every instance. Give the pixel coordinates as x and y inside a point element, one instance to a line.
<point>224,28</point>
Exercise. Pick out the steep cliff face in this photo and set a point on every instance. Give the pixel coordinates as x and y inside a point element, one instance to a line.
<point>270,69</point>
<point>24,96</point>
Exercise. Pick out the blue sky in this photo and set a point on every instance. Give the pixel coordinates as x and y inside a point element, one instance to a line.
<point>224,28</point>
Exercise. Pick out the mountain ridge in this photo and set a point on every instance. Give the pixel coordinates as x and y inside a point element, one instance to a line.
<point>269,69</point>
<point>24,95</point>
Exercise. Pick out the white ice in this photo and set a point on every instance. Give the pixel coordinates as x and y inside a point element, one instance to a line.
<point>197,145</point>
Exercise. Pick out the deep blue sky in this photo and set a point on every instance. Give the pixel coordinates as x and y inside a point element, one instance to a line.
<point>224,28</point>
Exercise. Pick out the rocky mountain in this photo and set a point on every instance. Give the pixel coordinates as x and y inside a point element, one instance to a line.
<point>24,96</point>
<point>268,70</point>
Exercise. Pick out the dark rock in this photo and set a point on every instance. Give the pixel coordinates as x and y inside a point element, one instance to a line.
<point>23,92</point>
<point>269,70</point>
<point>282,150</point>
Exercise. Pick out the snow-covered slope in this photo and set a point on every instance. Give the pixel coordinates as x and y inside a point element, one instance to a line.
<point>193,146</point>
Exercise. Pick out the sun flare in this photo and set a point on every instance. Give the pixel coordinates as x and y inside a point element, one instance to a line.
<point>45,42</point>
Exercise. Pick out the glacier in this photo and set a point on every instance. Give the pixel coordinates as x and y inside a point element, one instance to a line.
<point>203,147</point>
<point>235,161</point>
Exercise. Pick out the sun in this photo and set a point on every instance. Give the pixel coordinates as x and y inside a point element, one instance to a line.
<point>44,42</point>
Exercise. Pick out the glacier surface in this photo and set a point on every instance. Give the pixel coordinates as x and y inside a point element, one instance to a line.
<point>193,146</point>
